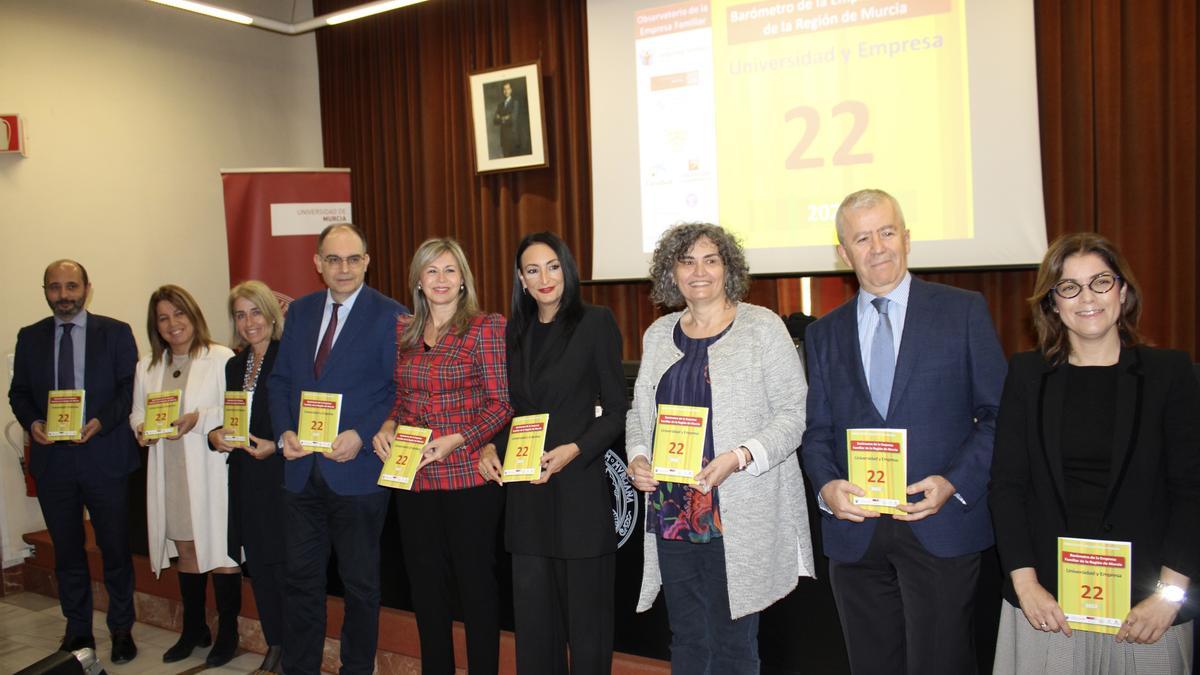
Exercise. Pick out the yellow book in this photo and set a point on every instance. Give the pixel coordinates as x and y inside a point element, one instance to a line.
<point>878,463</point>
<point>1094,583</point>
<point>237,416</point>
<point>526,442</point>
<point>405,454</point>
<point>64,414</point>
<point>320,415</point>
<point>162,408</point>
<point>679,443</point>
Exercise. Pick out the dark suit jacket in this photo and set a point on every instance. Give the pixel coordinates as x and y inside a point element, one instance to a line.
<point>1154,489</point>
<point>570,516</point>
<point>946,391</point>
<point>256,517</point>
<point>361,367</point>
<point>110,357</point>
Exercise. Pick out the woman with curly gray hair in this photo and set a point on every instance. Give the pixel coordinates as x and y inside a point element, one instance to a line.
<point>730,540</point>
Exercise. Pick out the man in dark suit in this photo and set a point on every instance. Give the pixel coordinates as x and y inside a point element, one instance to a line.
<point>341,340</point>
<point>509,118</point>
<point>77,350</point>
<point>903,354</point>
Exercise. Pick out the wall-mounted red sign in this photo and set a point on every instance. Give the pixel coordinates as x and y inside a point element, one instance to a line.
<point>12,134</point>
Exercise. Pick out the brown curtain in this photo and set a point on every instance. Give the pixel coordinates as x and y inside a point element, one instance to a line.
<point>1117,89</point>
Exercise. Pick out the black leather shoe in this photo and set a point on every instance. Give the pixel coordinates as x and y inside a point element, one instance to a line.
<point>272,660</point>
<point>72,642</point>
<point>183,648</point>
<point>123,648</point>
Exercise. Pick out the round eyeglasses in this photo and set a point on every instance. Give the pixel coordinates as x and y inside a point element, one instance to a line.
<point>1101,283</point>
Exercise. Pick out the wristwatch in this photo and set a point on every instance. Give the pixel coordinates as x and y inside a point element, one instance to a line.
<point>1170,592</point>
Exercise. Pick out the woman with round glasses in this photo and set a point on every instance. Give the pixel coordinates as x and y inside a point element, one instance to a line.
<point>1097,438</point>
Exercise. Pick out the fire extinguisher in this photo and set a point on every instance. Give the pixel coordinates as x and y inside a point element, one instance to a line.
<point>22,455</point>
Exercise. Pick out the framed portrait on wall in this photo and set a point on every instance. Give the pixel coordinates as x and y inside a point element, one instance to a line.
<point>507,121</point>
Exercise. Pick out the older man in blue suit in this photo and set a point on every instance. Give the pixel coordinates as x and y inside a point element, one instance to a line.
<point>75,349</point>
<point>340,340</point>
<point>903,353</point>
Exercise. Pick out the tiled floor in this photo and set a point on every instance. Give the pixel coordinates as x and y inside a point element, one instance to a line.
<point>32,626</point>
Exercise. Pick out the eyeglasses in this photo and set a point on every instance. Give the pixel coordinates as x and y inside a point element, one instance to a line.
<point>353,261</point>
<point>1101,283</point>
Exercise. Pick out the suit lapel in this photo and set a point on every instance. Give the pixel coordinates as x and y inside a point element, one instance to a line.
<point>1128,413</point>
<point>1051,402</point>
<point>916,326</point>
<point>48,374</point>
<point>847,327</point>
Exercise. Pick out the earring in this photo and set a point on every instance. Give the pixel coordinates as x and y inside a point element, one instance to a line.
<point>525,290</point>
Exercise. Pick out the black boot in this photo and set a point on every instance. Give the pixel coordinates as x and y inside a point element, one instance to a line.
<point>192,588</point>
<point>273,659</point>
<point>228,589</point>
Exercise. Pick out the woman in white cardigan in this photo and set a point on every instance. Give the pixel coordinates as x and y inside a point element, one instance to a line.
<point>186,482</point>
<point>729,546</point>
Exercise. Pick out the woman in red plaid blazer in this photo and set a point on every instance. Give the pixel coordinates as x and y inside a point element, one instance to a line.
<point>451,379</point>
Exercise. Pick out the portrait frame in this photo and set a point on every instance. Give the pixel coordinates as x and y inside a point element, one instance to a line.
<point>508,127</point>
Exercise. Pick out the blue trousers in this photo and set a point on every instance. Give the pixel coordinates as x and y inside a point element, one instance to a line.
<point>704,639</point>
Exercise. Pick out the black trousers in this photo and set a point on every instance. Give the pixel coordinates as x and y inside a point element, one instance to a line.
<point>449,540</point>
<point>269,583</point>
<point>63,493</point>
<point>561,601</point>
<point>902,604</point>
<point>318,520</point>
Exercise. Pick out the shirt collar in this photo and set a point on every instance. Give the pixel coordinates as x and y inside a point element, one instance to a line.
<point>79,320</point>
<point>898,295</point>
<point>348,302</point>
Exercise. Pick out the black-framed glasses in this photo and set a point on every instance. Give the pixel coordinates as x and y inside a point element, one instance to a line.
<point>1101,283</point>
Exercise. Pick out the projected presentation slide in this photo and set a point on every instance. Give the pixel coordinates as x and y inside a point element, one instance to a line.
<point>762,116</point>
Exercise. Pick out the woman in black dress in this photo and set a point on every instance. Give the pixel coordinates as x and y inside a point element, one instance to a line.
<point>255,468</point>
<point>564,359</point>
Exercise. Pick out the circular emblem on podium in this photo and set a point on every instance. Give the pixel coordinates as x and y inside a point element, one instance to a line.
<point>624,497</point>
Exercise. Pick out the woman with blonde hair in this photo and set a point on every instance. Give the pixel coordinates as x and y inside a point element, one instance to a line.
<point>450,378</point>
<point>186,493</point>
<point>256,516</point>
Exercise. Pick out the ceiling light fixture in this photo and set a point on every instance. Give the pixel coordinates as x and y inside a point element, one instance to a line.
<point>331,19</point>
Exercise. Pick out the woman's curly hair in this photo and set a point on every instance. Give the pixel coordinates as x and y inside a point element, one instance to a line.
<point>676,242</point>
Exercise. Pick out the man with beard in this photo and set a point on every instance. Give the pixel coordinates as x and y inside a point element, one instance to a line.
<point>74,349</point>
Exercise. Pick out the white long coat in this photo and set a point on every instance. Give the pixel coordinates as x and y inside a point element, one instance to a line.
<point>207,471</point>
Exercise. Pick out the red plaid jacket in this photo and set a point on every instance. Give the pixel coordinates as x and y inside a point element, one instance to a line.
<point>459,386</point>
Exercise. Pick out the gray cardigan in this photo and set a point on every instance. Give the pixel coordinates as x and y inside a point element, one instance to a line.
<point>758,394</point>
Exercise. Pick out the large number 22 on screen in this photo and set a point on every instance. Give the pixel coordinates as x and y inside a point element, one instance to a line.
<point>812,123</point>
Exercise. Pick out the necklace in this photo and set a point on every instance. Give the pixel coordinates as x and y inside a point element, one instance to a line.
<point>253,366</point>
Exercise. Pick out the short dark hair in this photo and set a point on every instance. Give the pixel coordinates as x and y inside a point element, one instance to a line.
<point>678,240</point>
<point>1052,334</point>
<point>349,227</point>
<point>524,307</point>
<point>66,261</point>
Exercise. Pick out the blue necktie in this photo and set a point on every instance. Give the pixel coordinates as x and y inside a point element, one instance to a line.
<point>66,358</point>
<point>883,359</point>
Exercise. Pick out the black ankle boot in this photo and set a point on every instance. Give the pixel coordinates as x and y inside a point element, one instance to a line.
<point>272,660</point>
<point>195,633</point>
<point>228,589</point>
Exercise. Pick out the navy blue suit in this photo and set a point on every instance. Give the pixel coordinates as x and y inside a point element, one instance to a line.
<point>94,474</point>
<point>332,505</point>
<point>946,393</point>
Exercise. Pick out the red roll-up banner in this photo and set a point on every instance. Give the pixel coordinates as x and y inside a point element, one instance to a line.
<point>272,219</point>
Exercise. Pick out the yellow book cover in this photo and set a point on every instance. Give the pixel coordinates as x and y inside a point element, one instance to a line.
<point>403,457</point>
<point>526,442</point>
<point>878,463</point>
<point>162,408</point>
<point>679,442</point>
<point>1094,583</point>
<point>320,415</point>
<point>237,416</point>
<point>64,414</point>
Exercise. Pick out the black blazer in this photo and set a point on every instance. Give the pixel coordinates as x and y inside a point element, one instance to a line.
<point>1154,489</point>
<point>570,516</point>
<point>256,518</point>
<point>110,357</point>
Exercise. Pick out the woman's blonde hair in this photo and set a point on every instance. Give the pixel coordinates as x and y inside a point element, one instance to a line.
<point>468,303</point>
<point>263,298</point>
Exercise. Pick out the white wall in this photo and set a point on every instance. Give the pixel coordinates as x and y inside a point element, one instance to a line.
<point>132,109</point>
